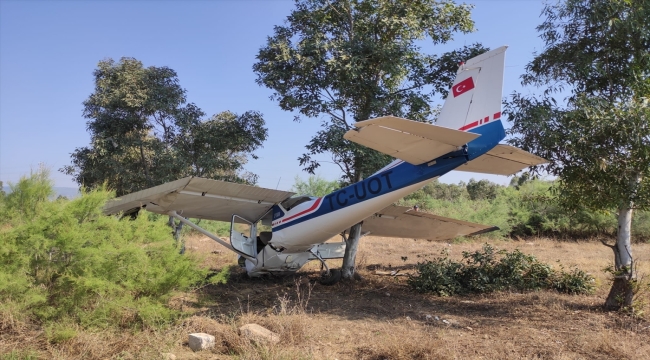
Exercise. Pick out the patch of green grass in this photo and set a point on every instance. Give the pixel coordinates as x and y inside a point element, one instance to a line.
<point>20,355</point>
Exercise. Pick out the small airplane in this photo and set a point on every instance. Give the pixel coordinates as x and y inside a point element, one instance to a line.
<point>466,137</point>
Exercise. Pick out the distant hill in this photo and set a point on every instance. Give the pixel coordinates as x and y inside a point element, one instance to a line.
<point>68,192</point>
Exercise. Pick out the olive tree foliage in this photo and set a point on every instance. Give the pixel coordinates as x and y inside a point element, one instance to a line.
<point>598,139</point>
<point>144,132</point>
<point>344,61</point>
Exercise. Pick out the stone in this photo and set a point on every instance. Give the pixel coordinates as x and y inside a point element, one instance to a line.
<point>201,341</point>
<point>258,334</point>
<point>446,322</point>
<point>167,356</point>
<point>428,317</point>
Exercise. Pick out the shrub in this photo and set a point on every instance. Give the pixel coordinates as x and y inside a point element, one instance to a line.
<point>64,259</point>
<point>490,270</point>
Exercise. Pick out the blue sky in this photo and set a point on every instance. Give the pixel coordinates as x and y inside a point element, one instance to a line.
<point>49,49</point>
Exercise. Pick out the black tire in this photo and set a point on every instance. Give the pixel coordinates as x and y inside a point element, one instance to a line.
<point>331,279</point>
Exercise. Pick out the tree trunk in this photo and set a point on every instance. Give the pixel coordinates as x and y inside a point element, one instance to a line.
<point>352,242</point>
<point>622,291</point>
<point>145,167</point>
<point>176,231</point>
<point>351,246</point>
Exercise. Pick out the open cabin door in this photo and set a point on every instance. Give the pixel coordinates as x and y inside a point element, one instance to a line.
<point>243,236</point>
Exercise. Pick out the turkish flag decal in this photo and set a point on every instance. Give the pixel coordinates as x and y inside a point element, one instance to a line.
<point>463,86</point>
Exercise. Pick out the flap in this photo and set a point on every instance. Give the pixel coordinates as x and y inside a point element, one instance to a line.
<point>405,222</point>
<point>411,141</point>
<point>200,198</point>
<point>502,160</point>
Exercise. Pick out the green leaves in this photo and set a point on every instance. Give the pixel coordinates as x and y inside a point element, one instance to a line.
<point>351,60</point>
<point>144,133</point>
<point>69,262</point>
<point>600,151</point>
<point>314,186</point>
<point>598,143</point>
<point>597,47</point>
<point>489,270</point>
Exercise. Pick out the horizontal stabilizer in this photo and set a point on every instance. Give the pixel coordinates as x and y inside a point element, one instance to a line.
<point>405,222</point>
<point>502,160</point>
<point>195,197</point>
<point>411,141</point>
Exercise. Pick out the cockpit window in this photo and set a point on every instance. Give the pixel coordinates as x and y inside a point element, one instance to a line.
<point>292,202</point>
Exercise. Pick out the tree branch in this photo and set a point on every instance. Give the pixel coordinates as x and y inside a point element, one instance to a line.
<point>402,90</point>
<point>606,244</point>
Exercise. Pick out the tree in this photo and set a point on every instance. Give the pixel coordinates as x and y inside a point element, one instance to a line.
<point>144,133</point>
<point>598,142</point>
<point>482,189</point>
<point>315,185</point>
<point>350,60</point>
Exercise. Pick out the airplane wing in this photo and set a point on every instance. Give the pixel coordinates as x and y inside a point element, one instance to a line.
<point>408,140</point>
<point>195,197</point>
<point>502,160</point>
<point>404,222</point>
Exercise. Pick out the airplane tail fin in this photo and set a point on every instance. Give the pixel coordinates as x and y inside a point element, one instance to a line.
<point>475,97</point>
<point>474,100</point>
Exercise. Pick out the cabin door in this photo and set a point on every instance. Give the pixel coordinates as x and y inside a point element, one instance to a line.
<point>243,236</point>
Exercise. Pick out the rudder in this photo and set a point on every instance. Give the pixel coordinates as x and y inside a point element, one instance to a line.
<point>475,97</point>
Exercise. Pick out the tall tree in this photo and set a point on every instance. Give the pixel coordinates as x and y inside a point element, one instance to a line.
<point>598,140</point>
<point>350,60</point>
<point>144,133</point>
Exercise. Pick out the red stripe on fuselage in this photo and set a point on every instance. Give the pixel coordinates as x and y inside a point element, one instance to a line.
<point>303,212</point>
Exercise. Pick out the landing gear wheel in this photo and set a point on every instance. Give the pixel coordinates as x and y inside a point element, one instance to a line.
<point>332,278</point>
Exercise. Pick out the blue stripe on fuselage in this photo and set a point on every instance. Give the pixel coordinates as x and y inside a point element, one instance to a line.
<point>405,174</point>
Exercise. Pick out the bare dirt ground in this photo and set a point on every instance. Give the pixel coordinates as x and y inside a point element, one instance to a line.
<point>380,317</point>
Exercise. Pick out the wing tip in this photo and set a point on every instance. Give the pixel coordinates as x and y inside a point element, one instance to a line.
<point>484,231</point>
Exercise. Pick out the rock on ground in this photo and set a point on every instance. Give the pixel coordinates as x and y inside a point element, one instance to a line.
<point>201,341</point>
<point>258,333</point>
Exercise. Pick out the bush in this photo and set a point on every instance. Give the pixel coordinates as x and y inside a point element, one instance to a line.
<point>64,259</point>
<point>490,270</point>
<point>485,211</point>
<point>525,208</point>
<point>314,186</point>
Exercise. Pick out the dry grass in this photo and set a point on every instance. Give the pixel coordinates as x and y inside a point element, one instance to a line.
<point>376,318</point>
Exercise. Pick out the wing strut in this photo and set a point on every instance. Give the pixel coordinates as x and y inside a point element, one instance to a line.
<point>210,235</point>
